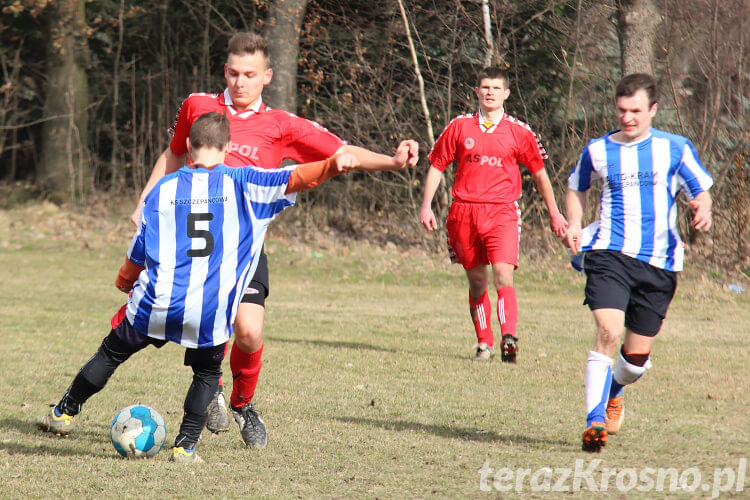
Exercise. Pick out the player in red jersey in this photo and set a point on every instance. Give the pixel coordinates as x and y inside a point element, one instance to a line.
<point>484,219</point>
<point>263,137</point>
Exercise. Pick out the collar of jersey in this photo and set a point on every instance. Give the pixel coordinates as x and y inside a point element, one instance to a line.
<point>255,108</point>
<point>493,127</point>
<point>629,144</point>
<point>192,167</point>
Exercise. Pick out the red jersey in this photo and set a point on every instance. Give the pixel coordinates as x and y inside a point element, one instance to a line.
<point>487,158</point>
<point>263,136</point>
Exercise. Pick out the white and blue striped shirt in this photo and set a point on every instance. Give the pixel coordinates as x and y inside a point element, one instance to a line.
<point>640,180</point>
<point>200,236</point>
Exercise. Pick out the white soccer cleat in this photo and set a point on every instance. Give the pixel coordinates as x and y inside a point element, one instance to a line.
<point>483,352</point>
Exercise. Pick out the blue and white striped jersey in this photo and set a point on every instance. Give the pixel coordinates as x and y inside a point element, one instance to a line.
<point>200,236</point>
<point>638,214</point>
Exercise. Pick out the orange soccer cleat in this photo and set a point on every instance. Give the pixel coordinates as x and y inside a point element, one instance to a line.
<point>615,415</point>
<point>594,438</point>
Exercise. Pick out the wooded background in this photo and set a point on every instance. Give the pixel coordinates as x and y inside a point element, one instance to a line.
<point>89,88</point>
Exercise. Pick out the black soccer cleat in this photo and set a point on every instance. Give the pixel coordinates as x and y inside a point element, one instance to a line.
<point>252,428</point>
<point>509,348</point>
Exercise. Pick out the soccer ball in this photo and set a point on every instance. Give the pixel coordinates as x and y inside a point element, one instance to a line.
<point>138,431</point>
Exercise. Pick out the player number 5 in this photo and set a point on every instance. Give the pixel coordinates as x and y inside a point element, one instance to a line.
<point>193,232</point>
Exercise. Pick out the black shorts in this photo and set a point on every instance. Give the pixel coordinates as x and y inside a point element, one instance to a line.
<point>257,290</point>
<point>642,291</point>
<point>125,339</point>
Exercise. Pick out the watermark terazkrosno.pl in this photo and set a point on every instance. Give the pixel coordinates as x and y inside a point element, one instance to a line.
<point>588,475</point>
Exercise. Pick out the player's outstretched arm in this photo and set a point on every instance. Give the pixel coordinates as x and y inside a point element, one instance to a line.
<point>310,175</point>
<point>167,163</point>
<point>701,206</point>
<point>557,222</point>
<point>407,154</point>
<point>431,183</point>
<point>575,203</point>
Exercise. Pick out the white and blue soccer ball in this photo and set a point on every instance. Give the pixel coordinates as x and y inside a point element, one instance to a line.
<point>138,431</point>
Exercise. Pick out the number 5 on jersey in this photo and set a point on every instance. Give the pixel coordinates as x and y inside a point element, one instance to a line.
<point>194,232</point>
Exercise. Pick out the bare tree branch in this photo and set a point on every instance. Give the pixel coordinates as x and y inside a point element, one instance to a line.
<point>422,97</point>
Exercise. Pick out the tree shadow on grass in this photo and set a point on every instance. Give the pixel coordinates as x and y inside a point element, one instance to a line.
<point>52,445</point>
<point>454,432</point>
<point>334,344</point>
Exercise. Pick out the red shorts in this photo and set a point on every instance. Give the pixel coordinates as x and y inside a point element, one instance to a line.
<point>483,233</point>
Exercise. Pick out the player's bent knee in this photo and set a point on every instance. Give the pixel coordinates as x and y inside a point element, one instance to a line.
<point>248,326</point>
<point>477,280</point>
<point>503,281</point>
<point>102,365</point>
<point>248,337</point>
<point>607,335</point>
<point>503,277</point>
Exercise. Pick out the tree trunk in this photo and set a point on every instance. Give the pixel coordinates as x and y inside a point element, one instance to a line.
<point>281,31</point>
<point>64,168</point>
<point>636,29</point>
<point>489,49</point>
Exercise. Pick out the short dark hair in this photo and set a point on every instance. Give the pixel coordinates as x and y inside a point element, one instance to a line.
<point>632,83</point>
<point>245,42</point>
<point>210,130</point>
<point>493,73</point>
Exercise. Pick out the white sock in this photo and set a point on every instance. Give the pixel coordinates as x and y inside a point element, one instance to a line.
<point>598,381</point>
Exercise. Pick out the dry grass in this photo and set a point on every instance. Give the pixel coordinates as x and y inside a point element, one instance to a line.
<point>367,388</point>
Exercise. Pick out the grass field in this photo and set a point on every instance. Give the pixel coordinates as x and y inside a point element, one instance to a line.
<point>367,386</point>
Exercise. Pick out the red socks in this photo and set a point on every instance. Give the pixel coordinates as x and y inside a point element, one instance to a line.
<point>481,312</point>
<point>507,310</point>
<point>245,371</point>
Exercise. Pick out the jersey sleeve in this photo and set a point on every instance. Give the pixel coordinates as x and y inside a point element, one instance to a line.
<point>531,152</point>
<point>181,128</point>
<point>306,140</point>
<point>443,153</point>
<point>580,177</point>
<point>265,190</point>
<point>693,176</point>
<point>135,259</point>
<point>137,250</point>
<point>310,175</point>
